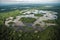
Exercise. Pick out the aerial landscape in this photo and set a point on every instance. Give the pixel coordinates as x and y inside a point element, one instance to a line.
<point>30,20</point>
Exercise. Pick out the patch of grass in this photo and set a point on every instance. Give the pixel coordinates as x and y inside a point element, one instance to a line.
<point>10,13</point>
<point>39,15</point>
<point>28,28</point>
<point>27,20</point>
<point>49,21</point>
<point>11,23</point>
<point>37,25</point>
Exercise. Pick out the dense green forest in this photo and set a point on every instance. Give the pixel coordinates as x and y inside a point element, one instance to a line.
<point>9,33</point>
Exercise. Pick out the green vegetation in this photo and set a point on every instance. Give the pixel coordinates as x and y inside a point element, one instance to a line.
<point>39,15</point>
<point>49,21</point>
<point>14,18</point>
<point>37,24</point>
<point>1,22</point>
<point>28,28</point>
<point>10,14</point>
<point>11,23</point>
<point>51,33</point>
<point>27,20</point>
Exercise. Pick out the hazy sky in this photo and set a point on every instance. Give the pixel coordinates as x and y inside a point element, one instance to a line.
<point>29,1</point>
